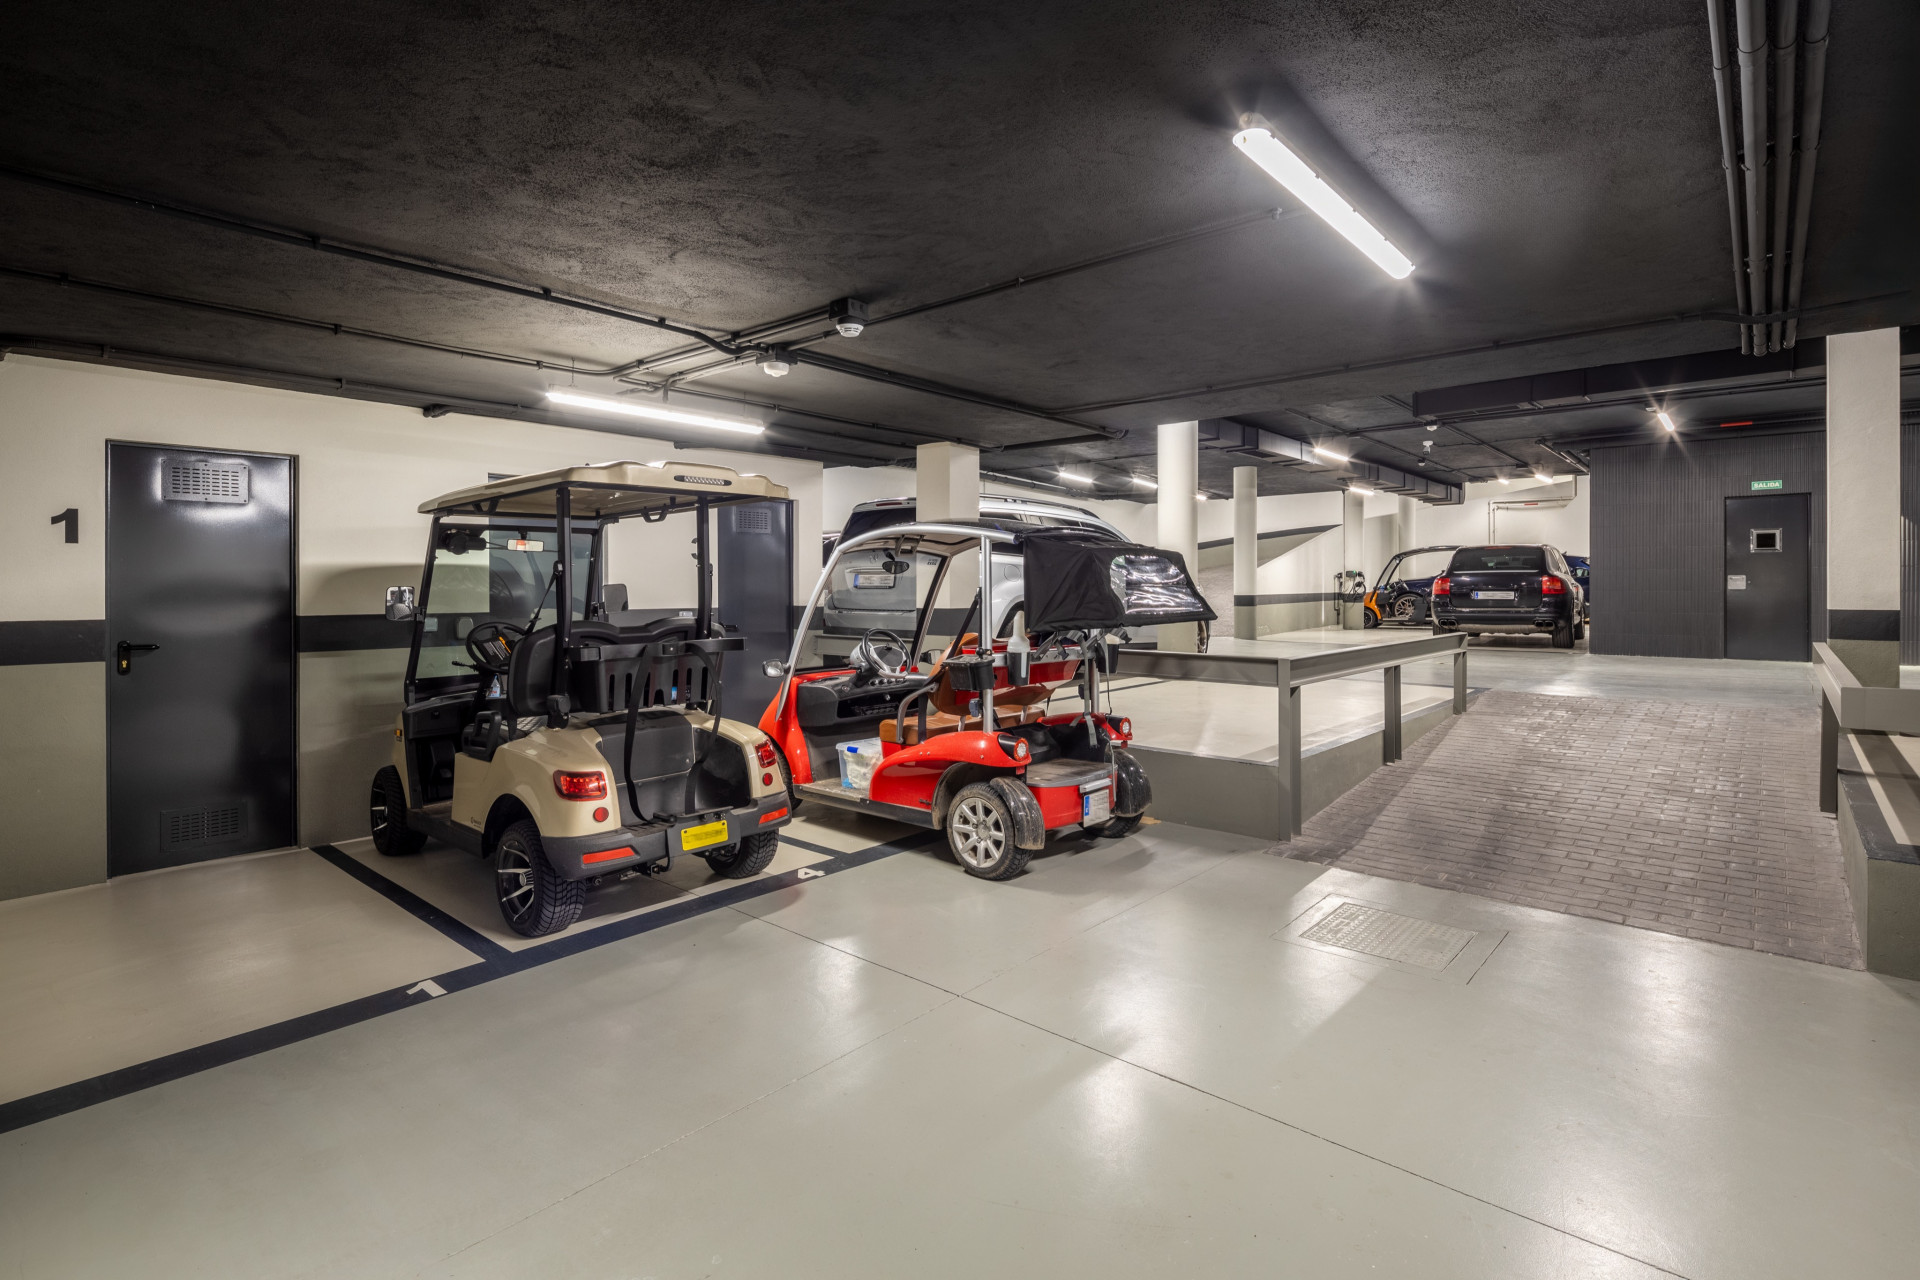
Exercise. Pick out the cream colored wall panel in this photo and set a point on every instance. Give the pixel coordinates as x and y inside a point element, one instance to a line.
<point>53,777</point>
<point>348,702</point>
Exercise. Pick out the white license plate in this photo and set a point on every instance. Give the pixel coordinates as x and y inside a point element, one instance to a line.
<point>1493,595</point>
<point>870,581</point>
<point>1096,806</point>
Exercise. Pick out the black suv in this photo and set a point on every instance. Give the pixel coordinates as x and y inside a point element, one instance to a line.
<point>1523,589</point>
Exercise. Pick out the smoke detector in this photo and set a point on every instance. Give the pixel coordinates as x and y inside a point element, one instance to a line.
<point>849,316</point>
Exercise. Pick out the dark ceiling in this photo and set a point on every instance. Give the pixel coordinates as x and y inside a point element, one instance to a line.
<point>1553,169</point>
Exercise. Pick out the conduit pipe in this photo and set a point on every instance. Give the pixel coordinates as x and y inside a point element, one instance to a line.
<point>1785,32</point>
<point>1750,32</point>
<point>1723,99</point>
<point>1814,43</point>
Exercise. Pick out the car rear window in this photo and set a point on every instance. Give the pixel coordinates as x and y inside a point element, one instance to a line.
<point>1523,559</point>
<point>880,518</point>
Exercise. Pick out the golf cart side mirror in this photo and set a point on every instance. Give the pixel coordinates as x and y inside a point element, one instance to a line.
<point>400,605</point>
<point>773,668</point>
<point>1019,666</point>
<point>929,657</point>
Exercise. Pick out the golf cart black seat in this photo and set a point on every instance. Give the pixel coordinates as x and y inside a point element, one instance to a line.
<point>609,661</point>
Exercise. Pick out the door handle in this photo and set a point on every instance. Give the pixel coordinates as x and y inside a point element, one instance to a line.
<point>126,651</point>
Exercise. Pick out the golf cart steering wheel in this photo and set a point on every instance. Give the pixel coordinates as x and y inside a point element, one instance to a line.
<point>490,645</point>
<point>867,657</point>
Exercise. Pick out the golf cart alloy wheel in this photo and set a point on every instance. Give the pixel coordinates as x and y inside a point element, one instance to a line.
<point>980,833</point>
<point>387,816</point>
<point>534,900</point>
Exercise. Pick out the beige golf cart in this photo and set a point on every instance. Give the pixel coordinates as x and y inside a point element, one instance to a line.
<point>563,741</point>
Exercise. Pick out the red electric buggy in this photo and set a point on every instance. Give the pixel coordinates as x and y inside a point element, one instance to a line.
<point>965,739</point>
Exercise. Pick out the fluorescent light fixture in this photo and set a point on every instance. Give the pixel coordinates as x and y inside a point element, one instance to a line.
<point>1325,452</point>
<point>1199,497</point>
<point>1144,483</point>
<point>653,412</point>
<point>1291,172</point>
<point>1543,477</point>
<point>1504,480</point>
<point>1074,477</point>
<point>1665,421</point>
<point>1363,492</point>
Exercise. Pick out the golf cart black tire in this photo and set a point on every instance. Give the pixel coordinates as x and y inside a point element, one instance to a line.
<point>748,857</point>
<point>1013,859</point>
<point>557,902</point>
<point>1114,828</point>
<point>387,816</point>
<point>1368,619</point>
<point>1563,636</point>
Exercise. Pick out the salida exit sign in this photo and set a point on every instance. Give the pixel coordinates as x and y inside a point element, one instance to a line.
<point>1759,486</point>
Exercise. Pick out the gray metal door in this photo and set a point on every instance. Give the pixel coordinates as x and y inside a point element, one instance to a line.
<point>1769,589</point>
<point>754,561</point>
<point>199,655</point>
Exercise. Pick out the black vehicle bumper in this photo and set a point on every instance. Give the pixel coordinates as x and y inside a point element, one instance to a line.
<point>1522,620</point>
<point>579,857</point>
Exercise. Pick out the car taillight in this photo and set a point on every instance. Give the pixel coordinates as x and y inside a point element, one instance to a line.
<point>1552,586</point>
<point>580,786</point>
<point>764,750</point>
<point>1443,586</point>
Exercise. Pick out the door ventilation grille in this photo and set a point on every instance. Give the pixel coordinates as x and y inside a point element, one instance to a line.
<point>752,520</point>
<point>212,824</point>
<point>1373,932</point>
<point>206,482</point>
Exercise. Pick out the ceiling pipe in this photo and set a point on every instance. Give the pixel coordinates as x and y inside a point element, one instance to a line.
<point>1813,42</point>
<point>1723,99</point>
<point>1750,32</point>
<point>1785,34</point>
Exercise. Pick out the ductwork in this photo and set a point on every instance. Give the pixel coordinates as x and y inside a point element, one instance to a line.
<point>1769,207</point>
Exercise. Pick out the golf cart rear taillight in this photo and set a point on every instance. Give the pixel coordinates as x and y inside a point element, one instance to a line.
<point>580,786</point>
<point>1123,727</point>
<point>1443,586</point>
<point>764,750</point>
<point>1015,747</point>
<point>1552,586</point>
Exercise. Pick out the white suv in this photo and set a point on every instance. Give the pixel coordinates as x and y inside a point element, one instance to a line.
<point>863,595</point>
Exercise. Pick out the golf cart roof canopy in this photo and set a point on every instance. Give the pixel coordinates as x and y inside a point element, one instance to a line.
<point>609,491</point>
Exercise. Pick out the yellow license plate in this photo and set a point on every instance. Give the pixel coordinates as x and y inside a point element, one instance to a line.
<point>703,835</point>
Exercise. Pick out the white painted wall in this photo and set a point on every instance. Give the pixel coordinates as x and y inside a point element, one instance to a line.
<point>363,470</point>
<point>1565,526</point>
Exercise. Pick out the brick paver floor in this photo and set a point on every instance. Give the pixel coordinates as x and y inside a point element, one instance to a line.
<point>1688,818</point>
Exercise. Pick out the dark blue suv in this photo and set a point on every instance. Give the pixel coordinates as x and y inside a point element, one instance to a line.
<point>1524,589</point>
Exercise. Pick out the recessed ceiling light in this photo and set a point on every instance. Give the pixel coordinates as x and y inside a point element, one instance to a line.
<point>653,412</point>
<point>1325,452</point>
<point>1504,480</point>
<point>1361,490</point>
<point>1074,477</point>
<point>1543,477</point>
<point>1290,171</point>
<point>1199,497</point>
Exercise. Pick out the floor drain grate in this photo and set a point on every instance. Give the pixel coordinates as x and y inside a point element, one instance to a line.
<point>1373,932</point>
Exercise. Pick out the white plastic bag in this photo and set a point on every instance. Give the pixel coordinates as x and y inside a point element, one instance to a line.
<point>858,759</point>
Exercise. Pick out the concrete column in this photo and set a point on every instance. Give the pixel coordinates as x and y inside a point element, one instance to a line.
<point>1409,524</point>
<point>1863,503</point>
<point>1353,528</point>
<point>947,487</point>
<point>1179,514</point>
<point>1246,551</point>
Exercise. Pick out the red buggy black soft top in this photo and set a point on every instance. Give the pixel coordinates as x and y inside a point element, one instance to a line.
<point>1077,582</point>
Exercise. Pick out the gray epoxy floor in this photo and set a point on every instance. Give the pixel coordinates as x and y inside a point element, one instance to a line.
<point>1114,1066</point>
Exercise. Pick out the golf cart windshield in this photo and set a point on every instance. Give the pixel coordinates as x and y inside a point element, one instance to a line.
<point>493,571</point>
<point>1415,566</point>
<point>873,587</point>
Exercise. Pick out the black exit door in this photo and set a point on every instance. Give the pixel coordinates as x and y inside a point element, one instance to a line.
<point>199,655</point>
<point>1769,586</point>
<point>754,560</point>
